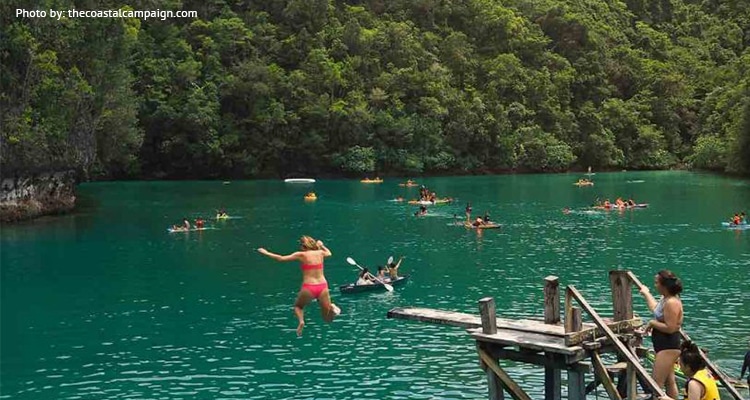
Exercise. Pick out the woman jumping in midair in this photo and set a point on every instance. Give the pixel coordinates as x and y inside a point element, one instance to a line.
<point>314,284</point>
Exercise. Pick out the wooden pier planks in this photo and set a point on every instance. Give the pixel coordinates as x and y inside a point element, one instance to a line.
<point>528,340</point>
<point>470,321</point>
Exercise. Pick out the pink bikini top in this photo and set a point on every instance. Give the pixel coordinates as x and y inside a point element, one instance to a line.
<point>308,267</point>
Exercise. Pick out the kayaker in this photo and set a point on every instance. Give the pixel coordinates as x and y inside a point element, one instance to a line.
<point>665,327</point>
<point>486,217</point>
<point>700,383</point>
<point>222,213</point>
<point>186,223</point>
<point>743,218</point>
<point>631,202</point>
<point>381,274</point>
<point>365,278</point>
<point>736,220</point>
<point>393,268</point>
<point>478,222</point>
<point>468,212</point>
<point>199,223</point>
<point>314,284</point>
<point>746,365</point>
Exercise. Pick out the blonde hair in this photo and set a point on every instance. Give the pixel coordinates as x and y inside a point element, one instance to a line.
<point>308,243</point>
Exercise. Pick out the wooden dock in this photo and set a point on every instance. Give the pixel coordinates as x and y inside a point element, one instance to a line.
<point>556,345</point>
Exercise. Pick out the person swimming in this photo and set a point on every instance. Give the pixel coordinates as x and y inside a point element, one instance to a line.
<point>314,284</point>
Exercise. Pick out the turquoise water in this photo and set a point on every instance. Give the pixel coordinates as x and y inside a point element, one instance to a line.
<point>105,304</point>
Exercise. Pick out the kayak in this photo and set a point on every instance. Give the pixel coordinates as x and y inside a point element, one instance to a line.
<point>371,181</point>
<point>490,225</point>
<point>615,207</point>
<point>222,216</point>
<point>299,180</point>
<point>429,203</point>
<point>730,225</point>
<point>583,183</point>
<point>408,184</point>
<point>172,230</point>
<point>311,198</point>
<point>354,288</point>
<point>678,372</point>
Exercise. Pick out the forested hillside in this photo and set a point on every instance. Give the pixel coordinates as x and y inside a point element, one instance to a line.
<point>280,87</point>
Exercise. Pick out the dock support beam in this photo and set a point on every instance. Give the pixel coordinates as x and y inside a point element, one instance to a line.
<point>576,385</point>
<point>552,376</point>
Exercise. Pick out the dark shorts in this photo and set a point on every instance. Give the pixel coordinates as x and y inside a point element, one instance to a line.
<point>665,341</point>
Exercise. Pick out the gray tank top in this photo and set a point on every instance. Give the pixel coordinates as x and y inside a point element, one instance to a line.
<point>659,310</point>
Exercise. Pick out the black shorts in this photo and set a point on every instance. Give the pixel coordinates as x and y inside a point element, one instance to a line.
<point>665,341</point>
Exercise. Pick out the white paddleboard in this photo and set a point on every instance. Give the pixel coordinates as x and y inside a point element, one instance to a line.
<point>299,180</point>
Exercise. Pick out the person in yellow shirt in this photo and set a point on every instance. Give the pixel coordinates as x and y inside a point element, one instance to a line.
<point>700,384</point>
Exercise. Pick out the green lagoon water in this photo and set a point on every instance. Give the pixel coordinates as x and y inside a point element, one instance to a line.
<point>105,304</point>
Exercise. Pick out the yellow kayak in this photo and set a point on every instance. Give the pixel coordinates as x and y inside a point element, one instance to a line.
<point>311,198</point>
<point>430,203</point>
<point>218,216</point>
<point>371,181</point>
<point>677,371</point>
<point>489,225</point>
<point>584,183</point>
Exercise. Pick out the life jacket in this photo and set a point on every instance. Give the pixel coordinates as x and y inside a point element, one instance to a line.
<point>711,391</point>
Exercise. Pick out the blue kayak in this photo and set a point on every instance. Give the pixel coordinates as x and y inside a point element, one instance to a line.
<point>730,225</point>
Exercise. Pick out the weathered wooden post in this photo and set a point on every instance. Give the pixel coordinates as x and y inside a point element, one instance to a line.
<point>622,305</point>
<point>552,376</point>
<point>576,383</point>
<point>488,314</point>
<point>622,295</point>
<point>574,323</point>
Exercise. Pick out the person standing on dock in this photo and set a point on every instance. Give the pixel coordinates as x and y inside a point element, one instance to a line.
<point>665,326</point>
<point>314,284</point>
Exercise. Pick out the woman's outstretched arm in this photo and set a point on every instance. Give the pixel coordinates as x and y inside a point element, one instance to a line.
<point>279,257</point>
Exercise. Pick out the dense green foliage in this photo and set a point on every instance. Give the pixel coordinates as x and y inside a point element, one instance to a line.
<point>280,87</point>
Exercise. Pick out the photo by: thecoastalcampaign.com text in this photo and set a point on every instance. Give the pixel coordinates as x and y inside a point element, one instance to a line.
<point>118,13</point>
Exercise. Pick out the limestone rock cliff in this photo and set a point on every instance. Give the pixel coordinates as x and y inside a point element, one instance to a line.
<point>25,197</point>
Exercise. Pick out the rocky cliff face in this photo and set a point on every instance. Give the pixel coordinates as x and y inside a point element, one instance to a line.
<point>25,197</point>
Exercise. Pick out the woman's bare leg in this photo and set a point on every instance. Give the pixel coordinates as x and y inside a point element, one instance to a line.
<point>328,310</point>
<point>664,371</point>
<point>303,299</point>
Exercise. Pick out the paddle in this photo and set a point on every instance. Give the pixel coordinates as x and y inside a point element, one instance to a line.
<point>385,285</point>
